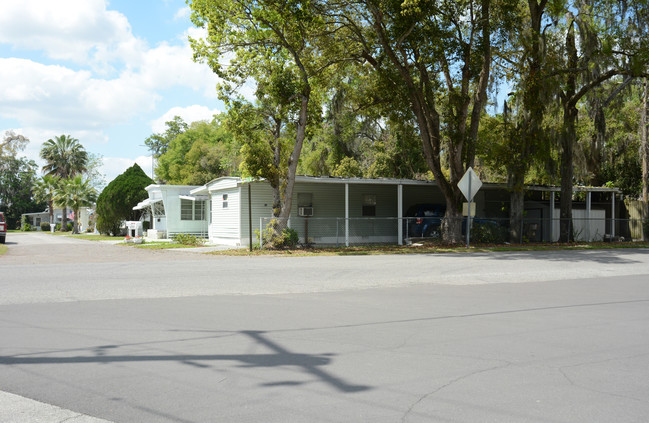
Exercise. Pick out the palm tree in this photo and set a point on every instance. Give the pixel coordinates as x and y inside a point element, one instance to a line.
<point>65,157</point>
<point>45,189</point>
<point>75,193</point>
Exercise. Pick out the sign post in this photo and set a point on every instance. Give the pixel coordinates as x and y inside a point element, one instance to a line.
<point>469,185</point>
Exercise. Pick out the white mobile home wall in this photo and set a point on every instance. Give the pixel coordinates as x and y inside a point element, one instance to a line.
<point>171,222</point>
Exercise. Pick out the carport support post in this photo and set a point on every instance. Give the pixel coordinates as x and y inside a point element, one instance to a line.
<point>588,198</point>
<point>249,216</point>
<point>400,214</point>
<point>346,215</point>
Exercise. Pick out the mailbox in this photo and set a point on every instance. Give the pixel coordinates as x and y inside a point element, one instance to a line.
<point>134,228</point>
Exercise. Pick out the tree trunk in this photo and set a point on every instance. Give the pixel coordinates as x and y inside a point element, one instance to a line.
<point>295,155</point>
<point>565,203</point>
<point>568,138</point>
<point>75,222</point>
<point>528,132</point>
<point>64,219</point>
<point>516,204</point>
<point>452,225</point>
<point>644,149</point>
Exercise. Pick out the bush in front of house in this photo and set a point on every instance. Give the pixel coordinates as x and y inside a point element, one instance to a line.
<point>57,228</point>
<point>488,233</point>
<point>188,239</point>
<point>26,227</point>
<point>279,238</point>
<point>115,203</point>
<point>45,226</point>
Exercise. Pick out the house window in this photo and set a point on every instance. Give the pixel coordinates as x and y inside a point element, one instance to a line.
<point>304,199</point>
<point>369,205</point>
<point>192,210</point>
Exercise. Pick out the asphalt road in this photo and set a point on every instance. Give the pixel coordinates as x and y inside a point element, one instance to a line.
<point>156,336</point>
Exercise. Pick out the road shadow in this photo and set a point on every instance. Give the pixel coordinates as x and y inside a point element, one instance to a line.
<point>313,364</point>
<point>610,256</point>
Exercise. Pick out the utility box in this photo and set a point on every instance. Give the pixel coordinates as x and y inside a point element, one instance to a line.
<point>134,228</point>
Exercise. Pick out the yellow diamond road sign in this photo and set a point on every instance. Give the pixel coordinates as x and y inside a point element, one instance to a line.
<point>469,184</point>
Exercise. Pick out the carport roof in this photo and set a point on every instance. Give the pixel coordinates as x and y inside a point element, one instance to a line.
<point>393,181</point>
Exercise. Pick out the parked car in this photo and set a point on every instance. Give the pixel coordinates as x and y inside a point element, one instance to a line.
<point>424,220</point>
<point>3,228</point>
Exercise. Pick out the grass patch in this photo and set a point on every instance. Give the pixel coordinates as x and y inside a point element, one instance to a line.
<point>426,249</point>
<point>3,249</point>
<point>91,237</point>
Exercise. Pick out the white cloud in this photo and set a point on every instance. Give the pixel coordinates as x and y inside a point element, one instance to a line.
<point>188,114</point>
<point>170,65</point>
<point>64,29</point>
<point>104,75</point>
<point>58,98</point>
<point>182,13</point>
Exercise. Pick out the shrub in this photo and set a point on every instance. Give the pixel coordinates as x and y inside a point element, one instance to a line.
<point>278,239</point>
<point>115,203</point>
<point>488,233</point>
<point>26,227</point>
<point>146,225</point>
<point>188,239</point>
<point>45,226</point>
<point>57,228</point>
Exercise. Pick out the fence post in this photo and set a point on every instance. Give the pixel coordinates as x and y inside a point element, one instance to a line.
<point>612,216</point>
<point>407,235</point>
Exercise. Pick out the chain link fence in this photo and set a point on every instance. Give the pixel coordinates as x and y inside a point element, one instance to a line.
<point>318,231</point>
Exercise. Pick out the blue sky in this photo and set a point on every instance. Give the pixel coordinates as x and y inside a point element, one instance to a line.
<point>107,72</point>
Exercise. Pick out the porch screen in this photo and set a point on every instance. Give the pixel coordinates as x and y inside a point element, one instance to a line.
<point>158,209</point>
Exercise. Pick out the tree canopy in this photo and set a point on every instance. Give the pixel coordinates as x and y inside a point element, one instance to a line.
<point>415,89</point>
<point>115,203</point>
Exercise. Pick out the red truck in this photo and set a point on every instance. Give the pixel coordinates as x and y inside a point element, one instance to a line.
<point>3,228</point>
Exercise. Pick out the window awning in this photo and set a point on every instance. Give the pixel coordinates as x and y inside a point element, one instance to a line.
<point>194,197</point>
<point>199,190</point>
<point>144,204</point>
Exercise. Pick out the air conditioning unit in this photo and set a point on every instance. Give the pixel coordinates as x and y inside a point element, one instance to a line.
<point>305,211</point>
